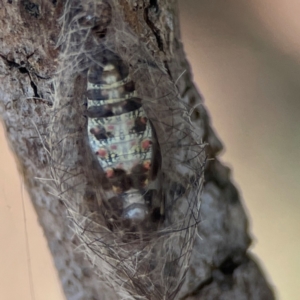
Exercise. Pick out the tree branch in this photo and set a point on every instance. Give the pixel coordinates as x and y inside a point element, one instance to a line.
<point>46,127</point>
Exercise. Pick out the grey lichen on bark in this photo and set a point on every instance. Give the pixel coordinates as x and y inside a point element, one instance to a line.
<point>220,266</point>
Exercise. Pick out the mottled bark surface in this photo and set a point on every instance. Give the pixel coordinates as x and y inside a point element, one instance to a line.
<point>220,267</point>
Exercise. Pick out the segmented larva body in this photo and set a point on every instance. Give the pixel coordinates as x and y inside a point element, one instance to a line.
<point>120,134</point>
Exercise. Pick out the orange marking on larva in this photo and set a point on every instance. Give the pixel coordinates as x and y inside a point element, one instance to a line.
<point>95,130</point>
<point>109,173</point>
<point>147,164</point>
<point>146,144</point>
<point>102,152</point>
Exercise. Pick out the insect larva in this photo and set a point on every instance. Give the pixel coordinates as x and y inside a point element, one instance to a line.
<point>120,133</point>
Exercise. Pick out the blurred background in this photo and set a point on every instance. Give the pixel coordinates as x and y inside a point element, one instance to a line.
<point>245,57</point>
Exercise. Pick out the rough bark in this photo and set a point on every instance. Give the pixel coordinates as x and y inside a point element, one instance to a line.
<point>220,265</point>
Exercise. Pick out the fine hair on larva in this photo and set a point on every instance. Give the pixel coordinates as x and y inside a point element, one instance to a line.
<point>107,75</point>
